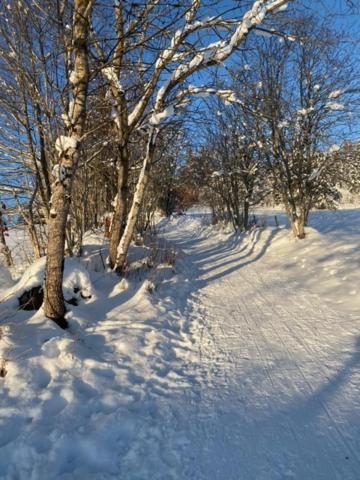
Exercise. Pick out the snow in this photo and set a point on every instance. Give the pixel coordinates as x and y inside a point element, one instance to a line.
<point>283,124</point>
<point>263,33</point>
<point>19,244</point>
<point>281,8</point>
<point>228,96</point>
<point>5,277</point>
<point>336,94</point>
<point>238,362</point>
<point>111,75</point>
<point>335,106</point>
<point>75,276</point>
<point>334,148</point>
<point>305,111</point>
<point>73,77</point>
<point>64,143</point>
<point>59,172</point>
<point>159,117</point>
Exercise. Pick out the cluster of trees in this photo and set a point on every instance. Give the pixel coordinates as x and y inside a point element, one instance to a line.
<point>89,87</point>
<point>276,143</point>
<point>92,105</point>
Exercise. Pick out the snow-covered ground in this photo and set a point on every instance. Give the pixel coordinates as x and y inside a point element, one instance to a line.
<point>241,362</point>
<point>17,240</point>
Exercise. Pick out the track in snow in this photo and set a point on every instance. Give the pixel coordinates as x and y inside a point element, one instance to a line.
<point>227,370</point>
<point>280,383</point>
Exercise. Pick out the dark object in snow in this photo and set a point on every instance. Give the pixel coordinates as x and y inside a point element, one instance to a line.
<point>61,322</point>
<point>178,212</point>
<point>3,371</point>
<point>73,301</point>
<point>32,299</point>
<point>77,290</point>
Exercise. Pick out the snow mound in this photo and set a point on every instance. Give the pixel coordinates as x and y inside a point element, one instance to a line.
<point>217,366</point>
<point>94,401</point>
<point>6,280</point>
<point>76,282</point>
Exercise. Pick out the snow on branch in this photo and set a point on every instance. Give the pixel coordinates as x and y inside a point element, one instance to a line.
<point>59,172</point>
<point>335,106</point>
<point>214,54</point>
<point>219,51</point>
<point>336,94</point>
<point>159,117</point>
<point>111,75</point>
<point>228,97</point>
<point>63,144</point>
<point>190,14</point>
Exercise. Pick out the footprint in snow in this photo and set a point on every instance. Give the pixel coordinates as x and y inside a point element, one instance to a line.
<point>134,378</point>
<point>11,430</point>
<point>54,405</point>
<point>103,372</point>
<point>40,377</point>
<point>85,389</point>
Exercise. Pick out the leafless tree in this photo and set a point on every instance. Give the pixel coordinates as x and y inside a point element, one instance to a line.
<point>180,52</point>
<point>307,94</point>
<point>5,250</point>
<point>68,151</point>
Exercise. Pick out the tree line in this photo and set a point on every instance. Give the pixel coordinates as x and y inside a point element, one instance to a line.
<point>95,99</point>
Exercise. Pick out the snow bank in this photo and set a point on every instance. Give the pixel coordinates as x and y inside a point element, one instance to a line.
<point>6,280</point>
<point>76,281</point>
<point>325,263</point>
<point>18,241</point>
<point>187,371</point>
<point>91,402</point>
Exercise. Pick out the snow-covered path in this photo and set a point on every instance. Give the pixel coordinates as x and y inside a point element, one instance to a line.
<point>280,383</point>
<point>235,366</point>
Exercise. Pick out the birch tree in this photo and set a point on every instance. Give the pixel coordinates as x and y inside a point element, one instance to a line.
<point>4,249</point>
<point>184,55</point>
<point>68,150</point>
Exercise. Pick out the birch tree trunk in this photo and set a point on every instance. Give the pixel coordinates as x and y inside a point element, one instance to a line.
<point>4,249</point>
<point>68,148</point>
<point>121,128</point>
<point>297,219</point>
<point>136,204</point>
<point>119,216</point>
<point>246,213</point>
<point>35,244</point>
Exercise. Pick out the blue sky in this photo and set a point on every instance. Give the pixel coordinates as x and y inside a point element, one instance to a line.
<point>336,12</point>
